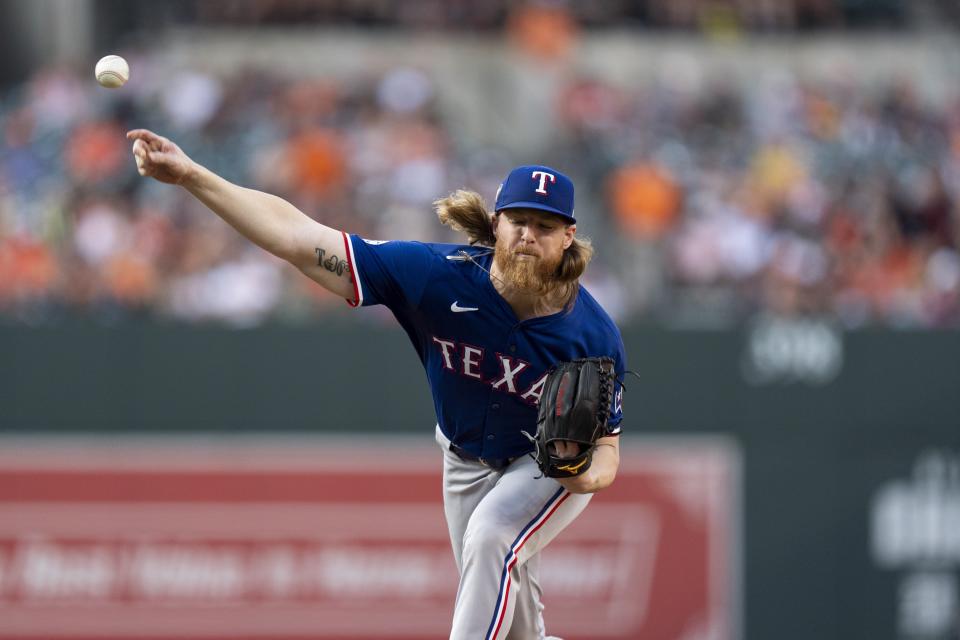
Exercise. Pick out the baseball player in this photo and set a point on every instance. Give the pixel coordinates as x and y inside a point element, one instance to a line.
<point>488,319</point>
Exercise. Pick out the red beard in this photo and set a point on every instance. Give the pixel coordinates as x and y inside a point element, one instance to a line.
<point>536,275</point>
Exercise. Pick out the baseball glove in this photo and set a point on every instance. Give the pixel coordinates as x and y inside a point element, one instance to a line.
<point>575,406</point>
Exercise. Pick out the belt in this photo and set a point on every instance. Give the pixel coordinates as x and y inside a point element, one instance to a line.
<point>497,464</point>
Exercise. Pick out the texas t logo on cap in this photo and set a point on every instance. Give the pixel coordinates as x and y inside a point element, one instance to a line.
<point>544,176</point>
<point>537,187</point>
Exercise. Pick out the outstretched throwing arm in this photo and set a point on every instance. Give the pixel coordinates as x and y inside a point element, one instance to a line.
<point>267,220</point>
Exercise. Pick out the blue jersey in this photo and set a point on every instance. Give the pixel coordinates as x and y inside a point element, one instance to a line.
<point>486,368</point>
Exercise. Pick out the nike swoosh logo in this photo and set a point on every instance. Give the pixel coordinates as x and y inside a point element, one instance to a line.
<point>456,308</point>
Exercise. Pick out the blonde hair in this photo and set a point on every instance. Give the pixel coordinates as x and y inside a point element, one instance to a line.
<point>466,212</point>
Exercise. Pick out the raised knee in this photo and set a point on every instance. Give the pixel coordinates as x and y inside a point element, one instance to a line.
<point>486,537</point>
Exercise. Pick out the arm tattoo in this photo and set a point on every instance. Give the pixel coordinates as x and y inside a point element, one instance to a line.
<point>333,264</point>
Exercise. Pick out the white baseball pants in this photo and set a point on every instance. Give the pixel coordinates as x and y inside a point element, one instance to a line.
<point>499,521</point>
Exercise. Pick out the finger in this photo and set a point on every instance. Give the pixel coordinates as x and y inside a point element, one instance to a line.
<point>149,138</point>
<point>143,134</point>
<point>164,162</point>
<point>567,449</point>
<point>139,154</point>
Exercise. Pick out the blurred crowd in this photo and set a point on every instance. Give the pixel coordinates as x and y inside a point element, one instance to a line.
<point>792,197</point>
<point>750,15</point>
<point>710,203</point>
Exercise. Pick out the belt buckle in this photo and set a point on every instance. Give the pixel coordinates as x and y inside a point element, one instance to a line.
<point>498,464</point>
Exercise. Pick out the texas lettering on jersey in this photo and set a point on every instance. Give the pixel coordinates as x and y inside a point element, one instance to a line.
<point>460,326</point>
<point>467,360</point>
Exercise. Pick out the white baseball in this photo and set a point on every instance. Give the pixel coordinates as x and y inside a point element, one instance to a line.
<point>112,72</point>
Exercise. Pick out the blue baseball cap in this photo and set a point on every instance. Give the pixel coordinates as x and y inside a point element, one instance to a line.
<point>537,187</point>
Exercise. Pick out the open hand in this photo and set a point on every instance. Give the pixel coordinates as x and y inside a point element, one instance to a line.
<point>159,158</point>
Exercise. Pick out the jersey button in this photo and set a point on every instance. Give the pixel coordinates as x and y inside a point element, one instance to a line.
<point>513,348</point>
<point>495,406</point>
<point>491,437</point>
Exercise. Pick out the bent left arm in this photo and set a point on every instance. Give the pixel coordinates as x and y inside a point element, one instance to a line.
<point>602,471</point>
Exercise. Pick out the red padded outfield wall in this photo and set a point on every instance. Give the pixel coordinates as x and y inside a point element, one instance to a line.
<point>320,539</point>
